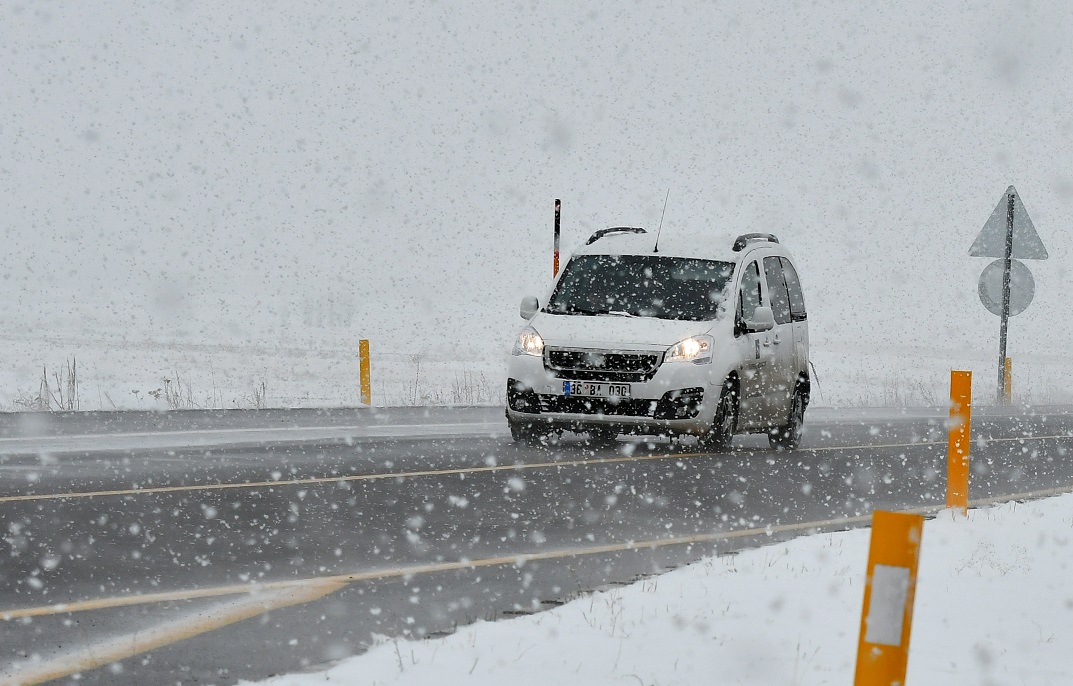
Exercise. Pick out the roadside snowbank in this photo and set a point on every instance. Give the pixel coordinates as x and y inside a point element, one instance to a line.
<point>994,606</point>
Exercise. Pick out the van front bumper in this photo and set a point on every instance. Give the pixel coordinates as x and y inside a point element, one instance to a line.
<point>677,399</point>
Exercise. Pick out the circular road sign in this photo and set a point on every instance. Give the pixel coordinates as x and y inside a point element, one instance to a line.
<point>1022,287</point>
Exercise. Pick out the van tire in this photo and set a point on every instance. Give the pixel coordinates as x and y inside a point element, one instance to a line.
<point>725,422</point>
<point>522,432</point>
<point>788,436</point>
<point>602,436</point>
<point>536,434</point>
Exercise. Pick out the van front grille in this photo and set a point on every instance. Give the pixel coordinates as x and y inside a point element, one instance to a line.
<point>601,365</point>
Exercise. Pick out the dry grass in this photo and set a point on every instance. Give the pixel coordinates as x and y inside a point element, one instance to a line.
<point>58,393</point>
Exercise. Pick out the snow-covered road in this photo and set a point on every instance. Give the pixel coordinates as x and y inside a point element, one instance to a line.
<point>417,531</point>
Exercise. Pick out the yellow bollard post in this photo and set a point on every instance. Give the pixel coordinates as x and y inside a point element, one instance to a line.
<point>957,462</point>
<point>1008,386</point>
<point>887,613</point>
<point>364,365</point>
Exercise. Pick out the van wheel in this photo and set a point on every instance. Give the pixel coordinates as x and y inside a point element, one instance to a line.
<point>602,436</point>
<point>534,434</point>
<point>788,436</point>
<point>725,422</point>
<point>521,432</point>
<point>528,433</point>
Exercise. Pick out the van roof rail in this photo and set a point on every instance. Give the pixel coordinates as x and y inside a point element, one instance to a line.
<point>743,240</point>
<point>612,230</point>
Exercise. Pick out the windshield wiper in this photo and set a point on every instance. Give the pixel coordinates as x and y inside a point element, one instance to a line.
<point>574,309</point>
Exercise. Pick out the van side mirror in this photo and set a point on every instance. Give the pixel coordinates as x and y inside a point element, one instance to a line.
<point>763,319</point>
<point>530,306</point>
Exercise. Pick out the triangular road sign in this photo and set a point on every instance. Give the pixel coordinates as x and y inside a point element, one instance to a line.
<point>992,239</point>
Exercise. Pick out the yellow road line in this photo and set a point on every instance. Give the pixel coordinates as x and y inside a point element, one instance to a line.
<point>341,478</point>
<point>204,620</point>
<point>461,470</point>
<point>517,559</point>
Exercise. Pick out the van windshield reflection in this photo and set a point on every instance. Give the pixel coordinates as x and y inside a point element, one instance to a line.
<point>641,286</point>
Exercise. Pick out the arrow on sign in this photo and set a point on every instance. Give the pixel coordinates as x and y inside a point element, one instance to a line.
<point>992,239</point>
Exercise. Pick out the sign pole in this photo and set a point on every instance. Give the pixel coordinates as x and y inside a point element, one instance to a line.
<point>1007,263</point>
<point>1008,237</point>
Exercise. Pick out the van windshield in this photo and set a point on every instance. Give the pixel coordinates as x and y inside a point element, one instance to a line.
<point>641,286</point>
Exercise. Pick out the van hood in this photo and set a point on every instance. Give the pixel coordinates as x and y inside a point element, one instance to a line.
<point>611,331</point>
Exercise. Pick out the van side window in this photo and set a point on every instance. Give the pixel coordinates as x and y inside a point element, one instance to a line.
<point>793,286</point>
<point>776,288</point>
<point>749,297</point>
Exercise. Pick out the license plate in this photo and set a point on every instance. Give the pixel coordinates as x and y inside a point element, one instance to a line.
<point>591,389</point>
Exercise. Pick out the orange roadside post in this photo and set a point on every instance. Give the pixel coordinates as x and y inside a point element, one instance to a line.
<point>957,463</point>
<point>364,371</point>
<point>1008,386</point>
<point>887,613</point>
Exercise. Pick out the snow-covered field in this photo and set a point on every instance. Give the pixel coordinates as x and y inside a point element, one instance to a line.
<point>993,607</point>
<point>118,374</point>
<point>188,375</point>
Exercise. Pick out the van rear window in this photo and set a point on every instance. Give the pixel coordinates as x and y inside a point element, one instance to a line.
<point>641,286</point>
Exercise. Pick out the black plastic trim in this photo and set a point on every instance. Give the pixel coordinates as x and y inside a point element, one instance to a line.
<point>613,229</point>
<point>743,240</point>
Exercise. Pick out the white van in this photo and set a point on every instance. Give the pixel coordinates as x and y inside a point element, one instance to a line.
<point>704,337</point>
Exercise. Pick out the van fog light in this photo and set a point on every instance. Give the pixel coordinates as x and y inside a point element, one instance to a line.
<point>683,404</point>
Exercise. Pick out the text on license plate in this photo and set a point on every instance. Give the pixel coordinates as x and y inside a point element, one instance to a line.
<point>589,389</point>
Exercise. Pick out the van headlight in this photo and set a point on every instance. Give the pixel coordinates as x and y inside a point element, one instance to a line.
<point>695,349</point>
<point>529,343</point>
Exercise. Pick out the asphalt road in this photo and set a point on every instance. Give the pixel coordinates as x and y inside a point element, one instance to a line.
<point>407,523</point>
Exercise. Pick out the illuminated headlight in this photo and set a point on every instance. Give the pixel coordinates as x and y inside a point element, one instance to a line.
<point>529,343</point>
<point>695,349</point>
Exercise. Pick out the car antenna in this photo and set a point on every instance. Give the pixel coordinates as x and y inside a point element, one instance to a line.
<point>655,248</point>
